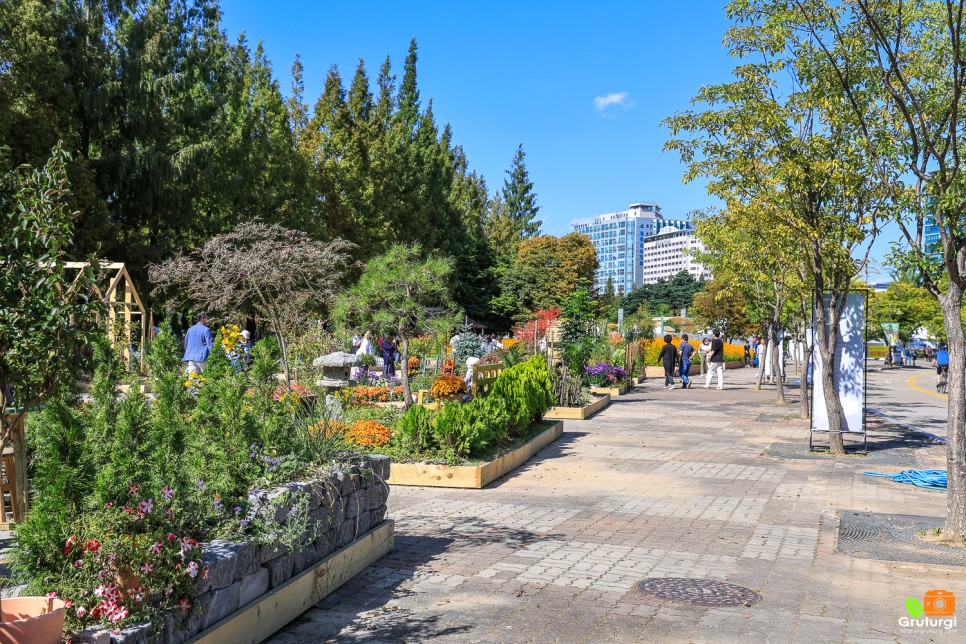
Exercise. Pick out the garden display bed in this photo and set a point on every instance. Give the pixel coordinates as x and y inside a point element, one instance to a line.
<point>577,413</point>
<point>472,476</point>
<point>254,590</point>
<point>612,391</point>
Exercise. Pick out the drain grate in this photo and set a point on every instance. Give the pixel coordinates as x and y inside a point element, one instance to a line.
<point>892,537</point>
<point>699,592</point>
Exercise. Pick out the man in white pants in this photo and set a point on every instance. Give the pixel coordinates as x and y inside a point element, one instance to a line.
<point>716,360</point>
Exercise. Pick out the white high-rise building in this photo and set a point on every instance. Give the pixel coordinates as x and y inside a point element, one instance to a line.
<point>668,253</point>
<point>620,240</point>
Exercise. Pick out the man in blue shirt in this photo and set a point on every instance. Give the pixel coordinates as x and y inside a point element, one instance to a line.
<point>197,345</point>
<point>942,363</point>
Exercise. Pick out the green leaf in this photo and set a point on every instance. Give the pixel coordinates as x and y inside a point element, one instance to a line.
<point>914,606</point>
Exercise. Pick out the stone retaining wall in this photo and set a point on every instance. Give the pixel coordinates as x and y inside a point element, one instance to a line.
<point>345,504</point>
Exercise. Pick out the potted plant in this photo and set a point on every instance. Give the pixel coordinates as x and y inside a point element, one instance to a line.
<point>448,388</point>
<point>39,620</point>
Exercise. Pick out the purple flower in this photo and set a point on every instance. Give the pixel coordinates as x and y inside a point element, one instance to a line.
<point>237,508</point>
<point>244,523</point>
<point>201,485</point>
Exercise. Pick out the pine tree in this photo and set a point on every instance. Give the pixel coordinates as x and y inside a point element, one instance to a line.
<point>519,200</point>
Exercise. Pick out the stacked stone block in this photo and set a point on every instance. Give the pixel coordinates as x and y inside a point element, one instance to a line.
<point>346,503</point>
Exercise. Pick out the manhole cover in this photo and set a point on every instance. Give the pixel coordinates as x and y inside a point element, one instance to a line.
<point>699,592</point>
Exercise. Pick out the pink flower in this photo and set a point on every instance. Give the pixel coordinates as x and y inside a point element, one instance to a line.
<point>78,563</point>
<point>192,569</point>
<point>184,604</point>
<point>92,546</point>
<point>132,488</point>
<point>112,557</point>
<point>168,492</point>
<point>68,604</point>
<point>119,613</point>
<point>51,595</point>
<point>187,543</point>
<point>102,590</point>
<point>102,575</point>
<point>146,568</point>
<point>204,573</point>
<point>81,611</point>
<point>68,545</point>
<point>171,536</point>
<point>137,594</point>
<point>146,506</point>
<point>108,505</point>
<point>156,548</point>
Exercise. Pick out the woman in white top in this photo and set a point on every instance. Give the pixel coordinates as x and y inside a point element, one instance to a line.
<point>365,345</point>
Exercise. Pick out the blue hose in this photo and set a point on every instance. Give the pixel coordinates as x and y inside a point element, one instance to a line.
<point>930,479</point>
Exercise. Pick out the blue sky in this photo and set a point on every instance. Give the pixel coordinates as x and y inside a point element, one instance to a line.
<point>583,86</point>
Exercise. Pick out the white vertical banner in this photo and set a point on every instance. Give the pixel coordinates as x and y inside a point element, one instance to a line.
<point>849,368</point>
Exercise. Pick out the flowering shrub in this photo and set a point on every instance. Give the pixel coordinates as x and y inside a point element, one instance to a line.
<point>413,366</point>
<point>545,319</point>
<point>605,374</point>
<point>368,433</point>
<point>652,349</point>
<point>446,386</point>
<point>135,559</point>
<point>369,395</point>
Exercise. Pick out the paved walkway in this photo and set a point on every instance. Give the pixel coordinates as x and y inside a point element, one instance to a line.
<point>661,484</point>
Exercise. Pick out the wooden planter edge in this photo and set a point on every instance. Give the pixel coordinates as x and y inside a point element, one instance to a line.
<point>613,391</point>
<point>471,476</point>
<point>578,413</point>
<point>260,619</point>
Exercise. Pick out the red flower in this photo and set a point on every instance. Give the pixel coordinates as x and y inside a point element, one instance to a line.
<point>69,544</point>
<point>92,546</point>
<point>171,536</point>
<point>184,604</point>
<point>51,595</point>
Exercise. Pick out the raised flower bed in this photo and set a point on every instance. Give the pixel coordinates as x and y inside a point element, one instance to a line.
<point>606,378</point>
<point>168,514</point>
<point>578,413</point>
<point>473,476</point>
<point>252,590</point>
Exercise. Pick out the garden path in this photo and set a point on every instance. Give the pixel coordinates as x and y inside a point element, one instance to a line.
<point>663,483</point>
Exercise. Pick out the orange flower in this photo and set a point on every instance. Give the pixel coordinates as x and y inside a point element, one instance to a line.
<point>368,433</point>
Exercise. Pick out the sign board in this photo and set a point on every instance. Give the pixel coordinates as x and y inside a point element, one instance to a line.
<point>891,331</point>
<point>849,368</point>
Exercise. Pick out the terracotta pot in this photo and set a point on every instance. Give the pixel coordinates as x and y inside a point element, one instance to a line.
<point>37,620</point>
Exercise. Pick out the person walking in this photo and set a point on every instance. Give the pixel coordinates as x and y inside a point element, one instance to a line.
<point>747,354</point>
<point>389,357</point>
<point>716,360</point>
<point>703,352</point>
<point>686,352</point>
<point>667,356</point>
<point>198,342</point>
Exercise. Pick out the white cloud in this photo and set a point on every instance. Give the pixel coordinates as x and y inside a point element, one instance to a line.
<point>620,99</point>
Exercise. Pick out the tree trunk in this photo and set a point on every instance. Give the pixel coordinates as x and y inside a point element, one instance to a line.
<point>404,371</point>
<point>826,336</point>
<point>950,304</point>
<point>775,366</point>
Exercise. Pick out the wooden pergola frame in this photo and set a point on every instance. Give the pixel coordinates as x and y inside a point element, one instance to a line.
<point>122,301</point>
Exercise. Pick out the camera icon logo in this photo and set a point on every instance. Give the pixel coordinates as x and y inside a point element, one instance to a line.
<point>939,603</point>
